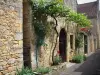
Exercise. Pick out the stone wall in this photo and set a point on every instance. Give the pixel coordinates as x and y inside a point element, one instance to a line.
<point>45,55</point>
<point>98,24</point>
<point>91,44</point>
<point>11,35</point>
<point>94,27</point>
<point>94,33</point>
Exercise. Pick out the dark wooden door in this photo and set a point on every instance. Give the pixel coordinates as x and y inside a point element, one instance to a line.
<point>62,44</point>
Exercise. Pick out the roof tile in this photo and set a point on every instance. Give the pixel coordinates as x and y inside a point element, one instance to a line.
<point>90,9</point>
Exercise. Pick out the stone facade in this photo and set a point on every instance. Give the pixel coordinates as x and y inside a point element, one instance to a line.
<point>45,55</point>
<point>98,23</point>
<point>94,36</point>
<point>94,32</point>
<point>17,37</point>
<point>11,36</point>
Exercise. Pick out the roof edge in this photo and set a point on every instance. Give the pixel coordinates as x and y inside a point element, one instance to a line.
<point>87,3</point>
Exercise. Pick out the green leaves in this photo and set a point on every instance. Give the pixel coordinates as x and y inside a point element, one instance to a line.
<point>79,41</point>
<point>78,18</point>
<point>78,58</point>
<point>57,60</point>
<point>56,8</point>
<point>25,71</point>
<point>42,70</point>
<point>41,9</point>
<point>29,71</point>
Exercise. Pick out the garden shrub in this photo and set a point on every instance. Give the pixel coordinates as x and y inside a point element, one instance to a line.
<point>24,71</point>
<point>79,41</point>
<point>78,58</point>
<point>42,70</point>
<point>28,71</point>
<point>57,60</point>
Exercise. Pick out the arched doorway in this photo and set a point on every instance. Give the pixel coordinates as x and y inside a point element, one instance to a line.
<point>62,44</point>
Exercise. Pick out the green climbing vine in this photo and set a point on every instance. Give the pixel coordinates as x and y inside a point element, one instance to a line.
<point>79,40</point>
<point>42,9</point>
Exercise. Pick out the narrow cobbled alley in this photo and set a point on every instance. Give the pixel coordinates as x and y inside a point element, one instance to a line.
<point>90,67</point>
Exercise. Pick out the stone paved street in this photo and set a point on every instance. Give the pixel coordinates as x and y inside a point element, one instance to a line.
<point>90,67</point>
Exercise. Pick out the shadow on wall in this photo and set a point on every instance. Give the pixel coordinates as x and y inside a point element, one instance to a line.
<point>90,66</point>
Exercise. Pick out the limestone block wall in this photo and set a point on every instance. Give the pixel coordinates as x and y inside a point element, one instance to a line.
<point>11,40</point>
<point>94,31</point>
<point>98,24</point>
<point>94,28</point>
<point>71,32</point>
<point>91,44</point>
<point>45,53</point>
<point>45,56</point>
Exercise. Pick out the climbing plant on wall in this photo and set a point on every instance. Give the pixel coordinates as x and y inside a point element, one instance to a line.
<point>79,40</point>
<point>42,9</point>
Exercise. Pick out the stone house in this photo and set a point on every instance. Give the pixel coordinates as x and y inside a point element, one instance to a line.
<point>17,37</point>
<point>11,36</point>
<point>98,21</point>
<point>65,41</point>
<point>91,10</point>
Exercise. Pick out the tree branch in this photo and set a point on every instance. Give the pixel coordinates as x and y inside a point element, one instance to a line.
<point>55,28</point>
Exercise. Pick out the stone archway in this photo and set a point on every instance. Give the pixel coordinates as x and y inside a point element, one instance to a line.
<point>62,44</point>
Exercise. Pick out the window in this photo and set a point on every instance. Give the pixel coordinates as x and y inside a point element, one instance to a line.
<point>71,41</point>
